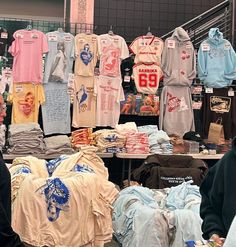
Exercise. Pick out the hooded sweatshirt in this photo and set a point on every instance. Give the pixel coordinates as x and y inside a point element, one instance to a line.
<point>218,206</point>
<point>216,61</point>
<point>178,59</point>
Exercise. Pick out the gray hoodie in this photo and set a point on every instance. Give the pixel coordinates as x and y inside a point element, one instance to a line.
<point>178,59</point>
<point>176,113</point>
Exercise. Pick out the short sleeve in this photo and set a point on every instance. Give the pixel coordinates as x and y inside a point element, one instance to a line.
<point>134,46</point>
<point>45,48</point>
<point>41,94</point>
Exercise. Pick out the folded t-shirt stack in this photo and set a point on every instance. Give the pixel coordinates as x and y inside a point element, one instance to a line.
<point>81,137</point>
<point>109,141</point>
<point>59,144</point>
<point>164,142</point>
<point>25,139</point>
<point>137,143</point>
<point>2,136</point>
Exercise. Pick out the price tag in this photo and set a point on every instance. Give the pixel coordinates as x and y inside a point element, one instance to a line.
<point>34,36</point>
<point>52,37</point>
<point>171,44</point>
<point>67,39</point>
<point>126,78</point>
<point>156,98</point>
<point>4,35</point>
<point>19,35</point>
<point>197,90</point>
<point>19,88</point>
<point>188,46</point>
<point>231,93</point>
<point>138,96</point>
<point>209,90</point>
<point>206,47</point>
<point>197,105</point>
<point>227,46</point>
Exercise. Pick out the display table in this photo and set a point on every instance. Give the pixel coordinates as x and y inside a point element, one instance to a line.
<point>48,157</point>
<point>130,157</point>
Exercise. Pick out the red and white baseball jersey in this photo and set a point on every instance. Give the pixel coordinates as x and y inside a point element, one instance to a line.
<point>147,77</point>
<point>147,49</point>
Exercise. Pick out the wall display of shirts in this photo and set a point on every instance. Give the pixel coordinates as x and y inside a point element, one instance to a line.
<point>6,40</point>
<point>86,54</point>
<point>100,101</point>
<point>112,49</point>
<point>59,60</point>
<point>27,50</point>
<point>26,99</point>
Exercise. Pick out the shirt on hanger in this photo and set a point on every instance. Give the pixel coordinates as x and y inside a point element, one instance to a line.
<point>111,48</point>
<point>26,99</point>
<point>27,50</point>
<point>59,60</point>
<point>56,109</point>
<point>109,94</point>
<point>147,49</point>
<point>86,52</point>
<point>84,103</point>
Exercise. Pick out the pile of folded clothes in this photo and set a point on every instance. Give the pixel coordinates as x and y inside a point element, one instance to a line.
<point>59,144</point>
<point>2,136</point>
<point>81,137</point>
<point>25,139</point>
<point>109,141</point>
<point>137,143</point>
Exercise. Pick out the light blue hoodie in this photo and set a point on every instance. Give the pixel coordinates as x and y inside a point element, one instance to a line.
<point>216,61</point>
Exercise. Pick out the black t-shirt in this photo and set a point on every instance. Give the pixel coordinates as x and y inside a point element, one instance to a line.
<point>6,39</point>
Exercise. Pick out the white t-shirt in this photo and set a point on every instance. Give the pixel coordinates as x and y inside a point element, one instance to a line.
<point>86,52</point>
<point>84,103</point>
<point>147,77</point>
<point>147,49</point>
<point>111,48</point>
<point>109,93</point>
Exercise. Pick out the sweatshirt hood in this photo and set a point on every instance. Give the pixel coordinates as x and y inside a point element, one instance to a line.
<point>180,34</point>
<point>215,36</point>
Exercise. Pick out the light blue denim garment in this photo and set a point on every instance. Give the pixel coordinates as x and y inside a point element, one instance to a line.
<point>177,195</point>
<point>230,239</point>
<point>188,227</point>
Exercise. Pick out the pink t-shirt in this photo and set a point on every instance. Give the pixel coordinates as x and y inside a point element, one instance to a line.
<point>27,50</point>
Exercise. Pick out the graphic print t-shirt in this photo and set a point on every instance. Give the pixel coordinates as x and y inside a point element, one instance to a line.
<point>59,60</point>
<point>26,99</point>
<point>84,103</point>
<point>147,77</point>
<point>86,52</point>
<point>109,94</point>
<point>111,48</point>
<point>147,49</point>
<point>27,50</point>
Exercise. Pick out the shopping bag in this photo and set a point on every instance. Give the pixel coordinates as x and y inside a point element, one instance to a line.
<point>216,132</point>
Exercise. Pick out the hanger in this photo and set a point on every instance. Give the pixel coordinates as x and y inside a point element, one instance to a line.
<point>60,30</point>
<point>149,32</point>
<point>29,27</point>
<point>110,32</point>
